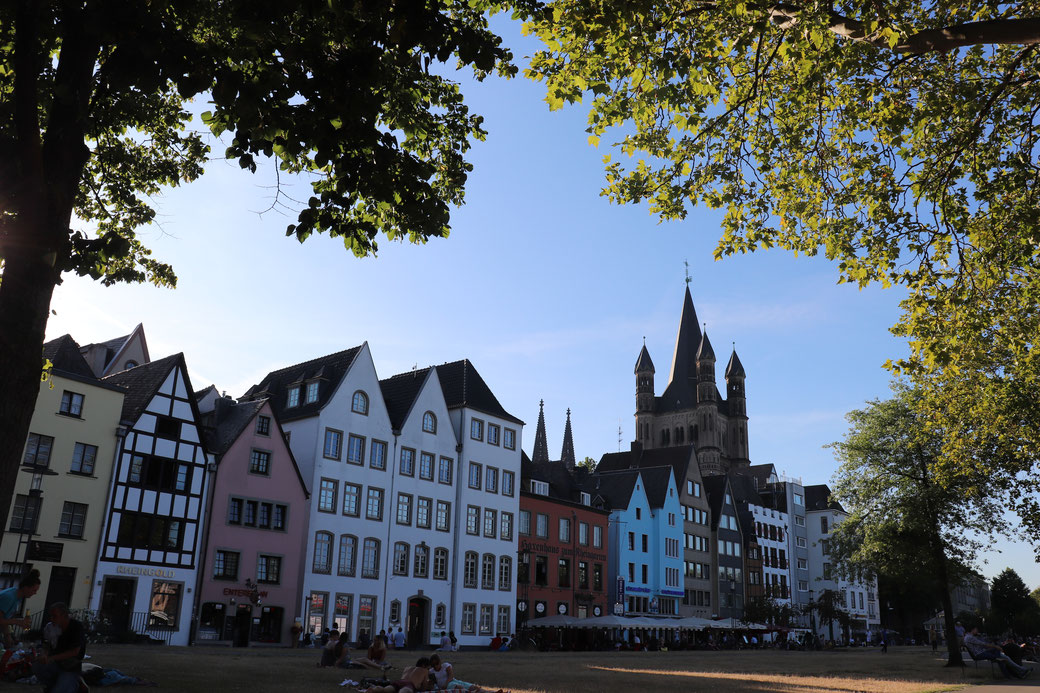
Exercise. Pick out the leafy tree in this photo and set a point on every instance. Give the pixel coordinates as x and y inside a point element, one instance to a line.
<point>1035,596</point>
<point>1011,605</point>
<point>830,608</point>
<point>899,139</point>
<point>94,121</point>
<point>901,521</point>
<point>768,610</point>
<point>588,464</point>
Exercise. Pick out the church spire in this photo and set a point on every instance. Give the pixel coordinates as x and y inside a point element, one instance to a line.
<point>541,448</point>
<point>567,455</point>
<point>687,341</point>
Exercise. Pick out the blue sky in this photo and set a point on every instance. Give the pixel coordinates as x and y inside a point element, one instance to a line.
<point>547,287</point>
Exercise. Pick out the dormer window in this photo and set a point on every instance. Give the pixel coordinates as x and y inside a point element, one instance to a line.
<point>293,399</point>
<point>539,487</point>
<point>359,404</point>
<point>129,364</point>
<point>429,422</point>
<point>586,499</point>
<point>312,393</point>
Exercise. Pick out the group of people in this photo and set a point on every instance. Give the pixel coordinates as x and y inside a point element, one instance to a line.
<point>428,674</point>
<point>335,653</point>
<point>65,642</point>
<point>1009,655</point>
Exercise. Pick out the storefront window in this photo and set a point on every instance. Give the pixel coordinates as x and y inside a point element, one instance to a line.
<point>316,617</point>
<point>166,603</point>
<point>366,615</point>
<point>344,605</point>
<point>270,627</point>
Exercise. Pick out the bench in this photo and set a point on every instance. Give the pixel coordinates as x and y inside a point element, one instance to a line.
<point>992,663</point>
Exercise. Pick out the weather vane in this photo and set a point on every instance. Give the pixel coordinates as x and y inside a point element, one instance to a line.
<point>687,265</point>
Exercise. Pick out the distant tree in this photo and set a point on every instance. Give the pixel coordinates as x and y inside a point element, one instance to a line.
<point>901,521</point>
<point>1011,605</point>
<point>830,609</point>
<point>587,464</point>
<point>1035,594</point>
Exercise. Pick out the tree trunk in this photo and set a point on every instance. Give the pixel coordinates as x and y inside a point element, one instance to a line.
<point>953,643</point>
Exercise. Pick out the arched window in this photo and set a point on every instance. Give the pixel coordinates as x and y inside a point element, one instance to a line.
<point>487,573</point>
<point>469,574</point>
<point>440,564</point>
<point>322,552</point>
<point>505,573</point>
<point>400,558</point>
<point>429,422</point>
<point>370,559</point>
<point>395,611</point>
<point>347,564</point>
<point>359,404</point>
<point>422,561</point>
<point>129,364</point>
<point>441,614</point>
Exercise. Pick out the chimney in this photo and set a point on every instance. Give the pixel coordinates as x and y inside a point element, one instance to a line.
<point>635,455</point>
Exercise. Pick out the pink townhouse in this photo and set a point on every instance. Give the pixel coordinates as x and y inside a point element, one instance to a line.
<point>249,586</point>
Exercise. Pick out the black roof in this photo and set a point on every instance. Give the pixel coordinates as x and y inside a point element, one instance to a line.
<point>226,422</point>
<point>463,387</point>
<point>64,355</point>
<point>704,351</point>
<point>734,369</point>
<point>644,363</point>
<point>677,457</point>
<point>818,497</point>
<point>399,393</point>
<point>614,488</point>
<point>144,381</point>
<point>715,491</point>
<point>328,370</point>
<point>562,482</point>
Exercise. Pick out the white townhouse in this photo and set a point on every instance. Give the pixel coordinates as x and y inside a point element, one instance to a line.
<point>150,547</point>
<point>768,527</point>
<point>857,594</point>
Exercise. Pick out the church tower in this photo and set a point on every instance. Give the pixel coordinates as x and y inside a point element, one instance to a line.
<point>707,414</point>
<point>737,400</point>
<point>541,447</point>
<point>644,397</point>
<point>567,454</point>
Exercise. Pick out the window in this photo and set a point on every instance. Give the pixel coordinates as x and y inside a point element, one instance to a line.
<point>278,517</point>
<point>803,564</point>
<point>469,570</point>
<point>476,429</point>
<point>407,462</point>
<point>366,613</point>
<point>312,393</point>
<point>469,619</point>
<point>507,483</point>
<point>429,422</point>
<point>259,462</point>
<point>541,571</point>
<point>502,625</point>
<point>73,517</point>
<point>265,516</point>
<point>646,542</point>
<point>505,573</point>
<point>485,619</point>
<point>597,537</point>
<point>472,519</point>
<point>404,509</point>
<point>38,450</point>
<point>474,475</point>
<point>165,603</point>
<point>322,553</point>
<point>355,449</point>
<point>565,530</point>
<point>444,475</point>
<point>71,404</point>
<point>144,531</point>
<point>539,487</point>
<point>225,565</point>
<point>422,561</point>
<point>525,522</point>
<point>83,458</point>
<point>523,568</point>
<point>401,558</point>
<point>639,513</point>
<point>800,542</point>
<point>509,439</point>
<point>440,564</point>
<point>377,455</point>
<point>333,442</point>
<point>269,569</point>
<point>443,516</point>
<point>583,575</point>
<point>327,496</point>
<point>359,403</point>
<point>351,500</point>
<point>491,480</point>
<point>374,509</point>
<point>563,571</point>
<point>26,512</point>
<point>586,498</point>
<point>293,397</point>
<point>426,466</point>
<point>506,527</point>
<point>423,506</point>
<point>798,500</point>
<point>799,520</point>
<point>263,425</point>
<point>250,519</point>
<point>493,433</point>
<point>370,559</point>
<point>490,522</point>
<point>542,526</point>
<point>597,577</point>
<point>823,525</point>
<point>234,515</point>
<point>631,541</point>
<point>129,364</point>
<point>346,564</point>
<point>487,572</point>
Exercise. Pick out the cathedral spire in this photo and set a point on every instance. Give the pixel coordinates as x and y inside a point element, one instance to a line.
<point>687,341</point>
<point>541,448</point>
<point>567,455</point>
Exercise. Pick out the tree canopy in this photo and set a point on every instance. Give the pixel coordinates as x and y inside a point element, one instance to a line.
<point>898,139</point>
<point>1011,605</point>
<point>95,121</point>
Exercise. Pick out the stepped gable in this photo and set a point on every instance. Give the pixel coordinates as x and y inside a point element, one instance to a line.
<point>463,387</point>
<point>65,356</point>
<point>329,369</point>
<point>399,394</point>
<point>142,382</point>
<point>818,497</point>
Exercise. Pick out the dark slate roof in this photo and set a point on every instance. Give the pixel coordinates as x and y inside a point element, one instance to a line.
<point>704,351</point>
<point>687,341</point>
<point>715,491</point>
<point>643,363</point>
<point>561,482</point>
<point>655,482</point>
<point>818,497</point>
<point>759,474</point>
<point>399,393</point>
<point>743,488</point>
<point>329,369</point>
<point>226,422</point>
<point>677,458</point>
<point>64,354</point>
<point>463,387</point>
<point>205,391</point>
<point>734,369</point>
<point>615,488</point>
<point>143,382</point>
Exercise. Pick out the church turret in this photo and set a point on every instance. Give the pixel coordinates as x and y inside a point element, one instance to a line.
<point>644,395</point>
<point>541,448</point>
<point>737,401</point>
<point>705,371</point>
<point>567,455</point>
<point>707,414</point>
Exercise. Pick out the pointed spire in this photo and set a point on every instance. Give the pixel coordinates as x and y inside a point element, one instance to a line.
<point>541,448</point>
<point>687,341</point>
<point>567,456</point>
<point>643,363</point>
<point>704,351</point>
<point>734,369</point>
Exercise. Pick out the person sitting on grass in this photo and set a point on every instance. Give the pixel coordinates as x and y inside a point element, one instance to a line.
<point>980,649</point>
<point>376,658</point>
<point>444,677</point>
<point>414,679</point>
<point>59,671</point>
<point>328,651</point>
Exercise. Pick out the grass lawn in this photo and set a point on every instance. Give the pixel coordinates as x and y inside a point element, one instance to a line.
<point>259,670</point>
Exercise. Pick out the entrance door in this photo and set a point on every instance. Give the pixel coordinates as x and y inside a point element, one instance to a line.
<point>243,622</point>
<point>59,588</point>
<point>418,622</point>
<point>117,600</point>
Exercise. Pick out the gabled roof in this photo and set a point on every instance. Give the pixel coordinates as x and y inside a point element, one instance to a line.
<point>112,348</point>
<point>226,422</point>
<point>328,369</point>
<point>463,387</point>
<point>143,382</point>
<point>678,458</point>
<point>760,474</point>
<point>64,354</point>
<point>655,482</point>
<point>643,363</point>
<point>715,492</point>
<point>399,394</point>
<point>615,488</point>
<point>818,497</point>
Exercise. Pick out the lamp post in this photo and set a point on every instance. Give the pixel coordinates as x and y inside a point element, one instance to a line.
<point>812,616</point>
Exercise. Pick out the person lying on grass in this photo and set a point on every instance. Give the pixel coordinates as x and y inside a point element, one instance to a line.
<point>413,679</point>
<point>444,677</point>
